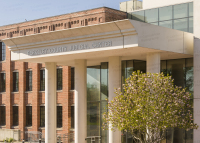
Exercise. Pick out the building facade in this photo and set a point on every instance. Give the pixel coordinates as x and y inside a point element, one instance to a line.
<point>104,47</point>
<point>22,84</point>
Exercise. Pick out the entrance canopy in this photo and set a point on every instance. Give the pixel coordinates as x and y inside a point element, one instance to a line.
<point>126,38</point>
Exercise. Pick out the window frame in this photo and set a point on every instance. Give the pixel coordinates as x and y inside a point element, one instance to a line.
<point>3,124</point>
<point>42,124</point>
<point>29,78</point>
<point>2,82</point>
<point>72,118</point>
<point>2,51</point>
<point>72,78</point>
<point>42,79</point>
<point>29,116</point>
<point>59,78</point>
<point>15,118</point>
<point>59,120</point>
<point>15,81</point>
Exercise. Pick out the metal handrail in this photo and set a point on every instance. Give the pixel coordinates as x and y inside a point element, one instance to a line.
<point>93,138</point>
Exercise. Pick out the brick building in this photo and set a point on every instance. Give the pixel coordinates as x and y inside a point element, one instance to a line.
<point>22,86</point>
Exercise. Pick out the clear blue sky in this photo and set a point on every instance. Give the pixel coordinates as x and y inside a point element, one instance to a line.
<point>15,11</point>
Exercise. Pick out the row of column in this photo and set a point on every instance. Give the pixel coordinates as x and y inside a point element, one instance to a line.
<point>153,65</point>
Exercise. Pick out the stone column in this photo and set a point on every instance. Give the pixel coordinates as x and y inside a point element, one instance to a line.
<point>153,62</point>
<point>50,102</point>
<point>80,101</point>
<point>114,81</point>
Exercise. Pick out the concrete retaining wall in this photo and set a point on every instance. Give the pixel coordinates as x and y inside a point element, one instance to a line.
<point>9,133</point>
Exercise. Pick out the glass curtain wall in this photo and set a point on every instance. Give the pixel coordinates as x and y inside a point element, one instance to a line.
<point>127,68</point>
<point>179,17</point>
<point>97,93</point>
<point>181,71</point>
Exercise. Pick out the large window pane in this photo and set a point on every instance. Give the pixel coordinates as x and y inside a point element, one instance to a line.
<point>191,25</point>
<point>151,15</point>
<point>72,117</point>
<point>42,80</point>
<point>104,81</point>
<point>15,81</point>
<point>176,69</point>
<point>59,116</point>
<point>189,75</point>
<point>181,24</point>
<point>93,83</point>
<point>139,65</point>
<point>2,51</point>
<point>28,115</point>
<point>191,9</point>
<point>167,24</point>
<point>72,78</point>
<point>59,79</point>
<point>165,13</point>
<point>42,116</point>
<point>15,116</point>
<point>93,118</point>
<point>2,115</point>
<point>129,66</point>
<point>180,10</point>
<point>2,82</point>
<point>139,16</point>
<point>29,80</point>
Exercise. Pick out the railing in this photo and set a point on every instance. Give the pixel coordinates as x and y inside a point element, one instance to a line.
<point>35,136</point>
<point>93,138</point>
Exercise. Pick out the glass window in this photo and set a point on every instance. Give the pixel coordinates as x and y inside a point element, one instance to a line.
<point>28,115</point>
<point>15,81</point>
<point>72,78</point>
<point>189,75</point>
<point>59,79</point>
<point>104,81</point>
<point>191,9</point>
<point>15,116</point>
<point>42,116</point>
<point>29,80</point>
<point>175,69</point>
<point>93,83</point>
<point>167,24</point>
<point>42,80</point>
<point>93,118</point>
<point>2,51</point>
<point>72,117</point>
<point>139,16</point>
<point>151,15</point>
<point>129,16</point>
<point>3,115</point>
<point>59,116</point>
<point>2,82</point>
<point>139,65</point>
<point>129,66</point>
<point>191,25</point>
<point>180,10</point>
<point>181,24</point>
<point>165,13</point>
